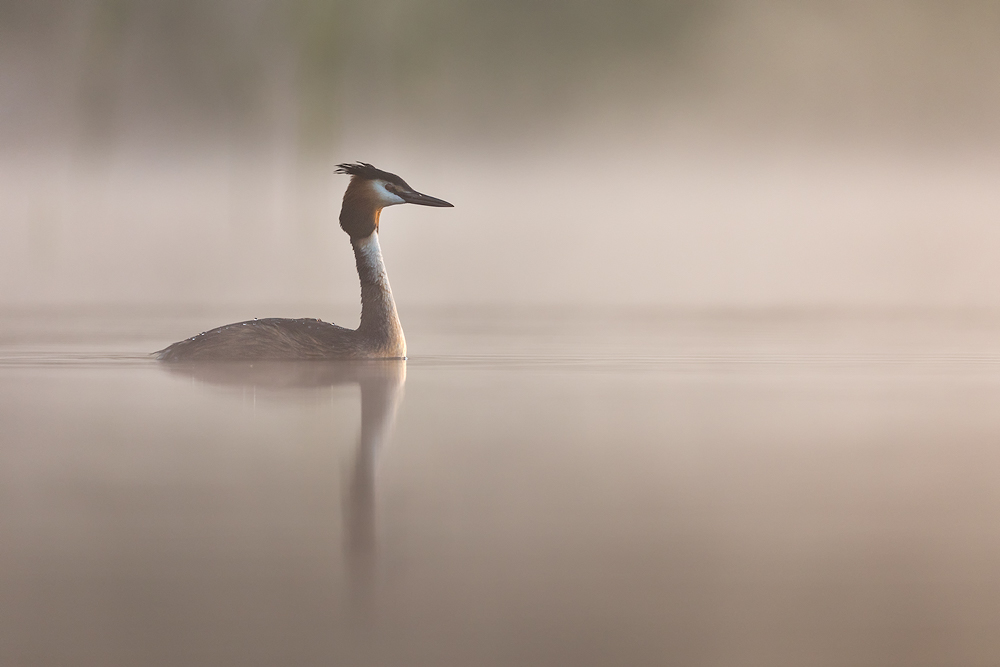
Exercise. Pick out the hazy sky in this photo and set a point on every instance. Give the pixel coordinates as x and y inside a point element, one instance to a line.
<point>684,153</point>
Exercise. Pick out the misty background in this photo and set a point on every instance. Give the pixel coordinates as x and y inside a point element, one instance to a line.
<point>688,153</point>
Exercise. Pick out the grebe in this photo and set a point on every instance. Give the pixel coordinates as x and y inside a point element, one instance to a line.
<point>379,336</point>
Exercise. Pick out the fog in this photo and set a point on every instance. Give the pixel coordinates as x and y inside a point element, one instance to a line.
<point>696,154</point>
<point>702,365</point>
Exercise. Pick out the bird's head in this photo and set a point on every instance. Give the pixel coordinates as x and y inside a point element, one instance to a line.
<point>370,191</point>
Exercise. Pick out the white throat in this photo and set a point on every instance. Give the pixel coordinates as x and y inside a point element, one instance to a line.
<point>369,256</point>
<point>379,320</point>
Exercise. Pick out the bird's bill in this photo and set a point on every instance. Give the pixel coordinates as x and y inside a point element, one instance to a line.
<point>411,197</point>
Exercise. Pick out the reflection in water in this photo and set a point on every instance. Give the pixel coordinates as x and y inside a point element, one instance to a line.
<point>381,383</point>
<point>381,395</point>
<point>659,489</point>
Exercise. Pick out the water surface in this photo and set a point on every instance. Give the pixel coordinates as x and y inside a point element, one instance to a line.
<point>581,487</point>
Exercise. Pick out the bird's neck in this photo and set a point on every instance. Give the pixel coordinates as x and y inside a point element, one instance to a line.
<point>379,321</point>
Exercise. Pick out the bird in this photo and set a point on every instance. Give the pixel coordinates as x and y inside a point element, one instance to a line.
<point>378,336</point>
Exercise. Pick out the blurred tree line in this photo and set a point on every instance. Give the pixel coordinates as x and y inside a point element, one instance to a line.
<point>246,71</point>
<point>239,63</point>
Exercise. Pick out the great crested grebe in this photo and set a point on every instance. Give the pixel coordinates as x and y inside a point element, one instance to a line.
<point>379,336</point>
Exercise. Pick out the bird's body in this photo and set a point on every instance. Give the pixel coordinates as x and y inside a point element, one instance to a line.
<point>269,338</point>
<point>379,336</point>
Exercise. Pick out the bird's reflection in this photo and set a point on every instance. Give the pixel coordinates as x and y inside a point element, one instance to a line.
<point>381,395</point>
<point>381,383</point>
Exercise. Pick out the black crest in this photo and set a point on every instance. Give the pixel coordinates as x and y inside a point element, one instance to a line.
<point>369,172</point>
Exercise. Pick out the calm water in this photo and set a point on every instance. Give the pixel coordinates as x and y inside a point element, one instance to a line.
<point>530,488</point>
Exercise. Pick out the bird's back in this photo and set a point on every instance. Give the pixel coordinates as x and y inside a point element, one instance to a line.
<point>270,338</point>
